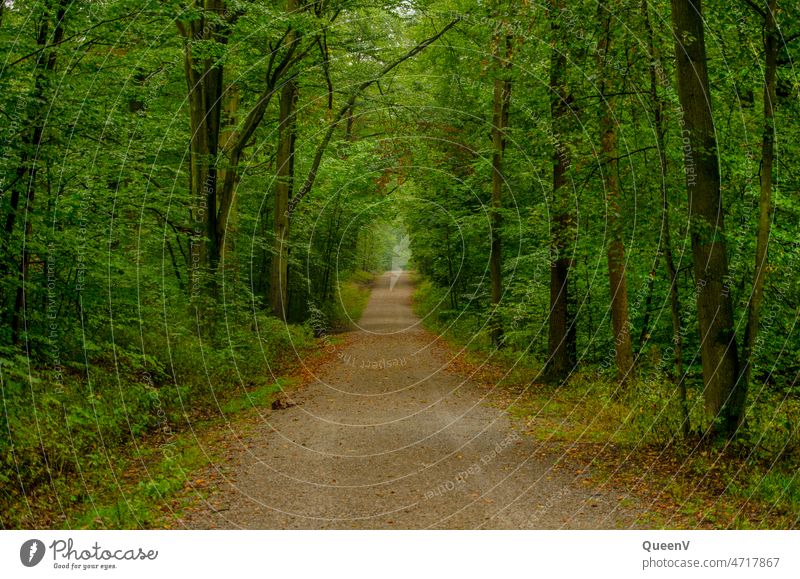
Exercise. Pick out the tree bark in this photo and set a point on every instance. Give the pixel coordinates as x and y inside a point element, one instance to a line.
<point>765,199</point>
<point>279,295</point>
<point>501,57</point>
<point>205,89</point>
<point>226,216</point>
<point>561,334</point>
<point>665,239</point>
<point>284,185</point>
<point>724,394</point>
<point>615,252</point>
<point>334,222</point>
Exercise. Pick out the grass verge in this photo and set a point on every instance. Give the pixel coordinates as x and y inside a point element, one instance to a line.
<point>110,452</point>
<point>352,295</point>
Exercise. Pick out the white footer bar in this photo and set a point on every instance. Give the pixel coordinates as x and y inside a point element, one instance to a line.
<point>400,554</point>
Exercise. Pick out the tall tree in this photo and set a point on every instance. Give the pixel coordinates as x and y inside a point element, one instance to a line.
<point>26,173</point>
<point>501,101</point>
<point>615,249</point>
<point>657,74</point>
<point>203,36</point>
<point>724,393</point>
<point>284,184</point>
<point>561,327</point>
<point>771,45</point>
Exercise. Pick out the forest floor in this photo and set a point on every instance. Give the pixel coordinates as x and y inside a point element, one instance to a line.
<point>392,431</point>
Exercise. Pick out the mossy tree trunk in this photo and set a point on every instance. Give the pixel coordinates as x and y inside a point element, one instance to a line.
<point>724,393</point>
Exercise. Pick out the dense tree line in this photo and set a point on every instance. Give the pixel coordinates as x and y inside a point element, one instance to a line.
<point>625,133</point>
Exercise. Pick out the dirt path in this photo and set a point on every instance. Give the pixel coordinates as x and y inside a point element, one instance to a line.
<point>389,437</point>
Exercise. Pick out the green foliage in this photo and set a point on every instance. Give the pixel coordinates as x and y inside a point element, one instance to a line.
<point>433,304</point>
<point>61,423</point>
<point>111,345</point>
<point>260,397</point>
<point>343,313</point>
<point>772,427</point>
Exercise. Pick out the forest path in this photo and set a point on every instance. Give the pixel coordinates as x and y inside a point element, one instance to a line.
<point>389,436</point>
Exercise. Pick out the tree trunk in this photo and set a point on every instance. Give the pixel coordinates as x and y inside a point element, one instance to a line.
<point>665,240</point>
<point>501,57</point>
<point>561,334</point>
<point>226,217</point>
<point>30,157</point>
<point>765,201</point>
<point>615,252</point>
<point>724,394</point>
<point>205,89</point>
<point>279,284</point>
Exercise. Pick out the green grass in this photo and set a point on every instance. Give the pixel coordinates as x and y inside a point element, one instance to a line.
<point>351,298</point>
<point>431,304</point>
<point>136,504</point>
<point>260,397</point>
<point>711,486</point>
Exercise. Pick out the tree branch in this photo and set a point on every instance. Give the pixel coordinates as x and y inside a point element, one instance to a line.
<point>323,47</point>
<point>312,173</point>
<point>756,7</point>
<point>76,35</point>
<point>791,38</point>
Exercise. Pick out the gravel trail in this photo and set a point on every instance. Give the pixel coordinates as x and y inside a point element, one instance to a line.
<point>389,437</point>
